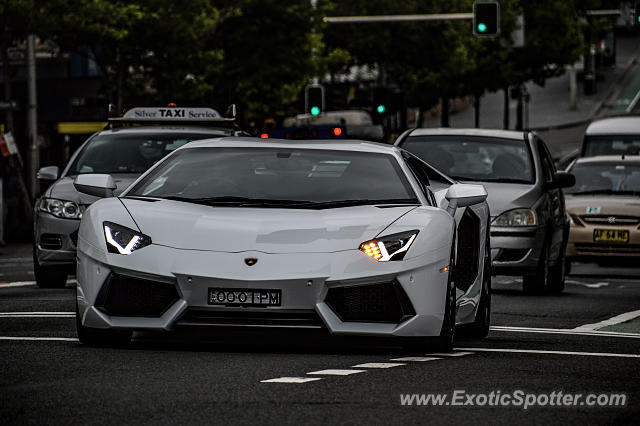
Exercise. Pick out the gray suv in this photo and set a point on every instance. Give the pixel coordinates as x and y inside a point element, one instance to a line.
<point>529,223</point>
<point>125,153</point>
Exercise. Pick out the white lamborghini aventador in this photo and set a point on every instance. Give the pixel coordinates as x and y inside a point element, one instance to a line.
<point>357,238</point>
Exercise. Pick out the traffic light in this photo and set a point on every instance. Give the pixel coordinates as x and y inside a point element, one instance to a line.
<point>314,99</point>
<point>486,19</point>
<point>636,14</point>
<point>380,100</point>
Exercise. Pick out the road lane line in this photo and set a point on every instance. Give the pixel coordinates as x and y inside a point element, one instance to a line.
<point>588,285</point>
<point>568,331</point>
<point>291,380</point>
<point>534,351</point>
<point>416,358</point>
<point>378,365</point>
<point>29,283</point>
<point>37,314</point>
<point>17,259</point>
<point>627,316</point>
<point>337,372</point>
<point>451,354</point>
<point>45,339</point>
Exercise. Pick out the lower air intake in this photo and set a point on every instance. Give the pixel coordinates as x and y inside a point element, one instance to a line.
<point>127,296</point>
<point>385,302</point>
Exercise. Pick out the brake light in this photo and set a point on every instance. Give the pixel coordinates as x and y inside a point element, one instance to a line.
<point>314,133</point>
<point>337,131</point>
<point>264,135</point>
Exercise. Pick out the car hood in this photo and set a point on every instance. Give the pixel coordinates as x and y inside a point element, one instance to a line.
<point>599,204</point>
<point>63,189</point>
<point>233,229</point>
<point>506,196</point>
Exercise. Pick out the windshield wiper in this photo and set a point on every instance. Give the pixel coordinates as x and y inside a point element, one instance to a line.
<point>358,202</point>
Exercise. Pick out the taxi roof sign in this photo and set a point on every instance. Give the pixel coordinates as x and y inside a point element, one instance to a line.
<point>170,114</point>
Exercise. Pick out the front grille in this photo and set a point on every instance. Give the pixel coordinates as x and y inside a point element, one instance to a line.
<point>127,296</point>
<point>465,270</point>
<point>618,249</point>
<point>511,255</point>
<point>385,302</point>
<point>268,318</point>
<point>51,241</point>
<point>610,220</point>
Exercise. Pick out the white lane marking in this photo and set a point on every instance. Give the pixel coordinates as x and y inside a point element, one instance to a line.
<point>291,380</point>
<point>588,285</point>
<point>37,314</point>
<point>569,331</point>
<point>17,259</point>
<point>627,316</point>
<point>534,351</point>
<point>46,339</point>
<point>450,354</point>
<point>337,372</point>
<point>378,365</point>
<point>416,358</point>
<point>30,283</point>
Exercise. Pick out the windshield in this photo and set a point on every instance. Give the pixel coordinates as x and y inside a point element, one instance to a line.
<point>605,178</point>
<point>277,176</point>
<point>611,145</point>
<point>475,158</point>
<point>128,153</point>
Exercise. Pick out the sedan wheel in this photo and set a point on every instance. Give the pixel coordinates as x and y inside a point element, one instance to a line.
<point>539,282</point>
<point>50,276</point>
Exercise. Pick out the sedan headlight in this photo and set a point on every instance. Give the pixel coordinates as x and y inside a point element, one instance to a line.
<point>390,247</point>
<point>123,240</point>
<point>516,217</point>
<point>60,208</point>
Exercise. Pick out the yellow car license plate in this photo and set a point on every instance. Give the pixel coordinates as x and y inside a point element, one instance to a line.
<point>610,236</point>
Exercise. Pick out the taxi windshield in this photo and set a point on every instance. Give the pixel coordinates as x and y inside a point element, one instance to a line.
<point>128,153</point>
<point>606,178</point>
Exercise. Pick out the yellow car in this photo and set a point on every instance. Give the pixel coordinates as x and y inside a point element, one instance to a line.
<point>604,206</point>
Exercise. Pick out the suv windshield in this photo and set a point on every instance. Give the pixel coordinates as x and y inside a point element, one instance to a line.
<point>475,158</point>
<point>611,145</point>
<point>277,177</point>
<point>605,178</point>
<point>128,153</point>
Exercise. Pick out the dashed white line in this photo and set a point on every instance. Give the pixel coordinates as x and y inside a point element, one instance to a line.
<point>378,365</point>
<point>588,285</point>
<point>46,339</point>
<point>569,331</point>
<point>291,380</point>
<point>30,283</point>
<point>534,351</point>
<point>627,316</point>
<point>37,314</point>
<point>336,372</point>
<point>451,354</point>
<point>416,358</point>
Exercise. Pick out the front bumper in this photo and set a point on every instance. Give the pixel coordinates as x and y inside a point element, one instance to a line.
<point>304,279</point>
<point>516,250</point>
<point>55,239</point>
<point>581,244</point>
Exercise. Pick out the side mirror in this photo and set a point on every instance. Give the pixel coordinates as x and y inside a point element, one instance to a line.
<point>562,180</point>
<point>463,195</point>
<point>48,174</point>
<point>99,185</point>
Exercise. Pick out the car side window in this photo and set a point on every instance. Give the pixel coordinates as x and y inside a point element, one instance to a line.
<point>548,169</point>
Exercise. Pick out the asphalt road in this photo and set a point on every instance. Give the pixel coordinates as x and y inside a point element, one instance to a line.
<point>243,378</point>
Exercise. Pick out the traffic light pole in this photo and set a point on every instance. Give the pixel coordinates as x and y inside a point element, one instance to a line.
<point>398,18</point>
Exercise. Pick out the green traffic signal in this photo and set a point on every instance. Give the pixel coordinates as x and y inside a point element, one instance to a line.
<point>315,110</point>
<point>482,27</point>
<point>381,109</point>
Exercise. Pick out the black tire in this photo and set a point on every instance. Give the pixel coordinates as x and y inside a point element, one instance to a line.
<point>101,337</point>
<point>49,276</point>
<point>480,327</point>
<point>556,275</point>
<point>539,282</point>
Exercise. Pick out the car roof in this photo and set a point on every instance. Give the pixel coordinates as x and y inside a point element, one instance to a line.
<point>338,145</point>
<point>215,131</point>
<point>615,126</point>
<point>447,131</point>
<point>609,159</point>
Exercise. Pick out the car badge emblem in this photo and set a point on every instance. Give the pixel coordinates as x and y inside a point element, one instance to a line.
<point>250,261</point>
<point>611,219</point>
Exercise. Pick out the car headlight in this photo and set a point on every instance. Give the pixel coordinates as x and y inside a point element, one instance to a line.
<point>60,208</point>
<point>390,247</point>
<point>516,217</point>
<point>123,240</point>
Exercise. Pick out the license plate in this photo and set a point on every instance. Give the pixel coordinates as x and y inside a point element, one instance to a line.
<point>244,297</point>
<point>610,236</point>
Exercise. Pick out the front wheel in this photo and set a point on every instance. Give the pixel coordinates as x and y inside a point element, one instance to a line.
<point>480,327</point>
<point>538,283</point>
<point>49,276</point>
